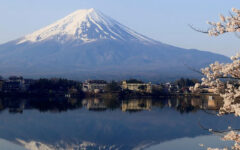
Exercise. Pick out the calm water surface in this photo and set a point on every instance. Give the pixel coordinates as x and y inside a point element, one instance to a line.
<point>53,124</point>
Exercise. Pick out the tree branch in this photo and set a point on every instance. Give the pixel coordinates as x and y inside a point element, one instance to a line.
<point>221,77</point>
<point>216,131</point>
<point>198,30</point>
<point>193,69</point>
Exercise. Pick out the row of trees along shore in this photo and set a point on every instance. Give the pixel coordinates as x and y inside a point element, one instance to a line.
<point>62,87</point>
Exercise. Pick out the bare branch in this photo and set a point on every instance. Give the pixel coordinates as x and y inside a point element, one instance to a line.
<point>234,78</point>
<point>193,69</point>
<point>198,30</point>
<point>230,13</point>
<point>216,131</point>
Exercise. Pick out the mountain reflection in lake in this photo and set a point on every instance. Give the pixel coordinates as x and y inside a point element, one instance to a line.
<point>54,124</point>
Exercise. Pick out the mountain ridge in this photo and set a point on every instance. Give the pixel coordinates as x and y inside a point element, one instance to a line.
<point>88,44</point>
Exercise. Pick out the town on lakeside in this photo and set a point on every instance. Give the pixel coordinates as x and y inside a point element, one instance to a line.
<point>17,85</point>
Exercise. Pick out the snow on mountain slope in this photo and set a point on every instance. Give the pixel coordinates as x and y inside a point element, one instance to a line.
<point>88,44</point>
<point>86,25</point>
<point>84,145</point>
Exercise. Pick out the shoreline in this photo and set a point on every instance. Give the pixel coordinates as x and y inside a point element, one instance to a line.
<point>113,95</point>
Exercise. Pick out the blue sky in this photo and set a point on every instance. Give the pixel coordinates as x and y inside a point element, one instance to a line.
<point>163,20</point>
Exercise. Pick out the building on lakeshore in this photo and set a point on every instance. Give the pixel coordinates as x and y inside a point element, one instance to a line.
<point>137,86</point>
<point>172,88</point>
<point>94,86</point>
<point>13,84</point>
<point>28,82</point>
<point>16,79</point>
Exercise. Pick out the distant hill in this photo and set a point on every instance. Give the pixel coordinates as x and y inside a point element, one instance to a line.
<point>88,44</point>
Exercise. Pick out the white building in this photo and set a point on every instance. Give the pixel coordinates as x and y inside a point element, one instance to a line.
<point>94,86</point>
<point>139,87</point>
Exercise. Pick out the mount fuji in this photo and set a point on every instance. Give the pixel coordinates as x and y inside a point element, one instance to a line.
<point>88,44</point>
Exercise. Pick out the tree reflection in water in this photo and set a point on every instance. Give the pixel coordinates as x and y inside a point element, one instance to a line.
<point>124,124</point>
<point>182,105</point>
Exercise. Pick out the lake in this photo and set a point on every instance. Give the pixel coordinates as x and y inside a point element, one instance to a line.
<point>72,124</point>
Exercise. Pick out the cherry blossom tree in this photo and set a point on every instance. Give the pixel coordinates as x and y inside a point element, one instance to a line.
<point>224,78</point>
<point>226,24</point>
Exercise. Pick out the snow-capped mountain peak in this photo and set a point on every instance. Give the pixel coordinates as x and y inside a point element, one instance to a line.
<point>88,44</point>
<point>85,25</point>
